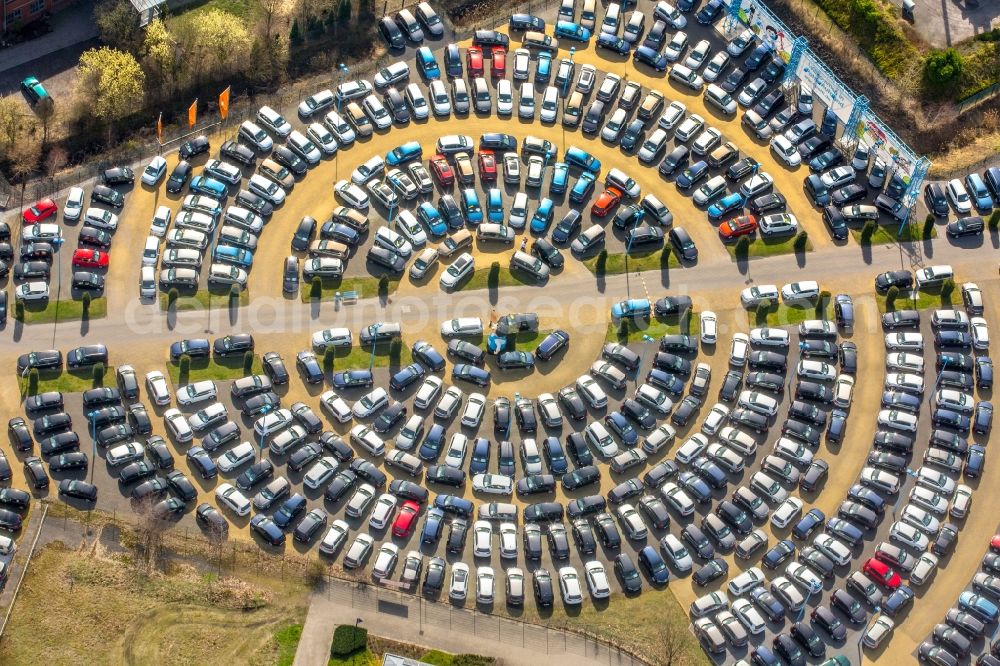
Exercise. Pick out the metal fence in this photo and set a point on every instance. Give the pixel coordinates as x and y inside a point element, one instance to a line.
<point>371,598</point>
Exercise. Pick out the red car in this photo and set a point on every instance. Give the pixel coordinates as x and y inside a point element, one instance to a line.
<point>90,258</point>
<point>42,209</point>
<point>744,225</point>
<point>474,60</point>
<point>406,519</point>
<point>442,171</point>
<point>498,65</point>
<point>487,164</point>
<point>882,573</point>
<point>995,543</point>
<point>606,202</point>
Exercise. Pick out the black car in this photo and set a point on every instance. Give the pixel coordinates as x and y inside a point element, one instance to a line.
<point>545,251</point>
<point>231,345</point>
<point>391,33</point>
<point>966,226</point>
<point>788,649</point>
<point>536,483</point>
<point>551,345</point>
<point>660,474</point>
<point>238,152</point>
<point>671,306</point>
<point>835,222</point>
<point>902,280</point>
<point>202,462</point>
<point>767,203</point>
<point>267,530</point>
<point>86,355</point>
<point>195,146</point>
<point>179,177</point>
<point>274,367</point>
<point>308,365</point>
<point>40,270</point>
<point>934,197</point>
<point>78,489</point>
<point>254,202</point>
<point>683,244</point>
<point>43,401</point>
<point>193,348</point>
<point>368,472</point>
<point>106,195</point>
<point>303,234</point>
<point>408,490</point>
<point>209,518</point>
<point>19,435</point>
<point>466,351</point>
<point>42,360</point>
<point>710,571</point>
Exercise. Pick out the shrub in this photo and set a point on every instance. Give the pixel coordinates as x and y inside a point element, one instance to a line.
<point>234,292</point>
<point>295,34</point>
<point>472,660</point>
<point>316,288</point>
<point>763,308</point>
<point>183,368</point>
<point>995,219</point>
<point>383,287</point>
<point>947,288</point>
<point>19,311</point>
<point>493,279</point>
<point>85,302</point>
<point>928,225</point>
<point>395,352</point>
<point>801,241</point>
<point>328,356</point>
<point>868,231</point>
<point>247,362</point>
<point>98,373</point>
<point>743,247</point>
<point>33,381</point>
<point>601,265</point>
<point>172,296</point>
<point>890,297</point>
<point>942,69</point>
<point>348,639</point>
<point>623,331</point>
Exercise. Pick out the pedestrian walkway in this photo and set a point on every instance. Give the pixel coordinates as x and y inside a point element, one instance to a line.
<point>69,27</point>
<point>410,619</point>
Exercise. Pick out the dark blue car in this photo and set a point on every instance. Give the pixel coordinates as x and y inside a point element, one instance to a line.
<point>808,524</point>
<point>414,372</point>
<point>193,347</point>
<point>430,448</point>
<point>267,529</point>
<point>654,566</point>
<point>433,526</point>
<point>480,456</point>
<point>349,379</point>
<point>692,175</point>
<point>554,456</point>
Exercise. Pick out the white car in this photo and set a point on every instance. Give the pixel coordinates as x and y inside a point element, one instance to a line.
<point>156,385</point>
<point>905,362</point>
<point>320,472</point>
<point>526,102</point>
<point>769,337</point>
<point>905,341</point>
<point>233,499</point>
<point>676,554</point>
<point>909,536</point>
<point>123,453</point>
<point>456,273</point>
<point>178,425</point>
<point>878,631</point>
<point>717,417</point>
<point>816,370</point>
<point>749,616</point>
<point>73,208</point>
<point>457,447</point>
<point>569,585</point>
<point>46,232</point>
<point>462,326</point>
<point>359,551</point>
<point>392,74</point>
<point>492,484</point>
<point>196,392</point>
<point>385,561</point>
<point>805,290</point>
<point>508,540</point>
<point>959,196</point>
<point>897,420</point>
<point>236,457</point>
<point>351,194</point>
<point>672,116</point>
<point>332,337</point>
<point>550,104</point>
<point>341,129</point>
<point>440,101</point>
<point>709,328</point>
<point>739,351</point>
<point>370,403</point>
<point>920,519</point>
<point>522,64</point>
<point>654,398</point>
<point>615,125</point>
<point>923,569</point>
<point>677,499</point>
<point>715,67</point>
<point>930,500</point>
<point>843,391</point>
<point>154,171</point>
<point>449,403</point>
<point>203,418</point>
<point>428,392</point>
<point>505,98</point>
<point>372,168</point>
<point>530,457</point>
<point>323,138</point>
<point>751,297</point>
<point>698,55</point>
<point>980,333</point>
<point>335,537</point>
<point>759,402</point>
<point>485,585</point>
<point>599,437</point>
<point>475,407</point>
<point>336,406</point>
<point>963,501</point>
<point>482,539</point>
<point>382,514</point>
<point>789,511</point>
<point>367,439</point>
<point>778,224</point>
<point>676,46</point>
<point>458,588</point>
<point>597,580</point>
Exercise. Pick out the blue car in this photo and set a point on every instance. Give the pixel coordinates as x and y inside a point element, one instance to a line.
<point>980,195</point>
<point>470,206</point>
<point>407,376</point>
<point>237,256</point>
<point>583,187</point>
<point>471,374</point>
<point>979,606</point>
<point>457,505</point>
<point>581,158</point>
<point>555,456</point>
<point>651,57</point>
<point>635,308</point>
<point>352,379</point>
<point>574,32</point>
<point>613,43</point>
<point>543,68</point>
<point>480,456</point>
<point>409,151</point>
<point>560,178</point>
<point>692,175</point>
<point>808,524</point>
<point>433,526</point>
<point>727,204</point>
<point>427,64</point>
<point>494,205</point>
<point>542,218</point>
<point>654,565</point>
<point>431,217</point>
<point>430,448</point>
<point>208,186</point>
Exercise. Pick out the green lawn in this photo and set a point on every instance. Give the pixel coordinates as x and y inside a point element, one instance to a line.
<point>655,328</point>
<point>359,658</point>
<point>240,8</point>
<point>287,639</point>
<point>358,357</point>
<point>783,315</point>
<point>614,264</point>
<point>66,381</point>
<point>366,287</point>
<point>481,277</point>
<point>769,247</point>
<point>889,233</point>
<point>203,299</point>
<point>917,300</point>
<point>63,310</point>
<point>218,369</point>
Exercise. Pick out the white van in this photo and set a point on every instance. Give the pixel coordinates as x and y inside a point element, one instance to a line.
<point>151,251</point>
<point>274,121</point>
<point>147,282</point>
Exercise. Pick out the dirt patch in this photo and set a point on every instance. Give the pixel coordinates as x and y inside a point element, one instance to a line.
<point>476,12</point>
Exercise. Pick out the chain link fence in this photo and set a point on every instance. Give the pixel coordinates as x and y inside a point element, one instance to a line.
<point>371,598</point>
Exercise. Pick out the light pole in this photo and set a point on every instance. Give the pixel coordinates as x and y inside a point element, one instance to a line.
<point>565,91</point>
<point>93,442</point>
<point>371,361</point>
<point>342,68</point>
<point>645,338</point>
<point>261,444</point>
<point>628,250</point>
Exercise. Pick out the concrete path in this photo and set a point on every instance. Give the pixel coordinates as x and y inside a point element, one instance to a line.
<point>412,620</point>
<point>72,26</point>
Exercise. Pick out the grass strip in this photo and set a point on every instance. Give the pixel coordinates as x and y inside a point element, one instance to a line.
<point>63,310</point>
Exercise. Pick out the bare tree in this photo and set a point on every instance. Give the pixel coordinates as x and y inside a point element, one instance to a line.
<point>24,157</point>
<point>269,11</point>
<point>671,643</point>
<point>149,530</point>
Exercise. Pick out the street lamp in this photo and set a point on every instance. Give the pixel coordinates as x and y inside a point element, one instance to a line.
<point>371,361</point>
<point>628,251</point>
<point>266,411</point>
<point>565,91</point>
<point>93,441</point>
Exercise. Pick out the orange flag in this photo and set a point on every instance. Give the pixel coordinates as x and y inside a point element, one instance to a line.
<point>159,127</point>
<point>224,103</point>
<point>193,113</point>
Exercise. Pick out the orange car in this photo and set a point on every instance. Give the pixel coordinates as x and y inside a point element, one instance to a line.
<point>743,225</point>
<point>498,64</point>
<point>606,202</point>
<point>474,61</point>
